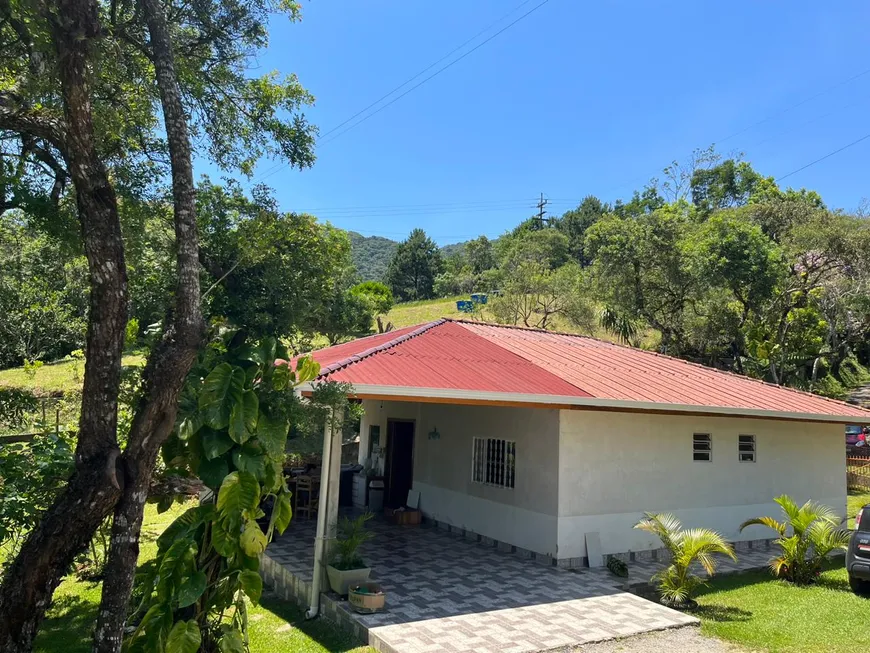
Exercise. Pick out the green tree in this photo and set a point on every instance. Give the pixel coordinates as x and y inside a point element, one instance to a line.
<point>728,184</point>
<point>62,122</point>
<point>480,255</point>
<point>271,273</point>
<point>643,269</point>
<point>413,268</point>
<point>576,222</point>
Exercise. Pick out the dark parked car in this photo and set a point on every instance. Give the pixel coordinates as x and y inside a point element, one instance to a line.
<point>853,433</point>
<point>858,554</point>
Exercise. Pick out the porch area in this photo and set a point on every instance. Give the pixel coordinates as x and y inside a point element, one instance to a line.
<point>451,592</point>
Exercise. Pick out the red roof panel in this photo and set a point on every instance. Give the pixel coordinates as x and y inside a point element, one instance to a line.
<point>447,355</point>
<point>474,356</point>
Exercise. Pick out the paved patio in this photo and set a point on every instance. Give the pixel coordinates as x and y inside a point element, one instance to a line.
<point>446,593</point>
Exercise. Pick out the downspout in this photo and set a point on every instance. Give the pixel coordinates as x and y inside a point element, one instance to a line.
<point>320,538</point>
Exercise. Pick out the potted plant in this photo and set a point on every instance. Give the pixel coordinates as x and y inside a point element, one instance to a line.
<point>346,567</point>
<point>676,583</point>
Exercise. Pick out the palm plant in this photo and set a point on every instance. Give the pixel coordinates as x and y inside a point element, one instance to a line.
<point>351,536</point>
<point>676,583</point>
<point>815,532</point>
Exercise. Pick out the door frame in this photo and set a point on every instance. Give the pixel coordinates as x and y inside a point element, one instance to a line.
<point>388,461</point>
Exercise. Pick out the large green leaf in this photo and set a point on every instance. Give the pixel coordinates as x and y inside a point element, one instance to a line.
<point>282,512</point>
<point>184,524</point>
<point>263,353</point>
<point>239,492</point>
<point>151,633</point>
<point>184,638</point>
<point>215,443</point>
<point>253,540</point>
<point>213,472</point>
<point>307,369</point>
<point>252,585</point>
<point>191,588</point>
<point>250,459</point>
<point>243,417</point>
<point>232,642</point>
<point>221,391</point>
<point>224,543</point>
<point>176,562</point>
<point>272,434</point>
<point>273,476</point>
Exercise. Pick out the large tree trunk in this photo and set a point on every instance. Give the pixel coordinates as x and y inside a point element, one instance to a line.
<point>93,490</point>
<point>170,362</point>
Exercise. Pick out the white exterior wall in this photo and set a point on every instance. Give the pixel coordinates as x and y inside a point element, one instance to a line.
<point>614,466</point>
<point>525,516</point>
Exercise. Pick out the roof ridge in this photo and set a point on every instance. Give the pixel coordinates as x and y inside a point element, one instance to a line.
<point>837,402</point>
<point>344,362</point>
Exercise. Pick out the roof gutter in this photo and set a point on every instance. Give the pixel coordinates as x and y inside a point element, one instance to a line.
<point>453,395</point>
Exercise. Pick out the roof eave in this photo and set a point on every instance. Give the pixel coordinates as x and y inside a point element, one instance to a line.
<point>453,395</point>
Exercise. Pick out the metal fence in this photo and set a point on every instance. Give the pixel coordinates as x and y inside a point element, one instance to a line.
<point>858,472</point>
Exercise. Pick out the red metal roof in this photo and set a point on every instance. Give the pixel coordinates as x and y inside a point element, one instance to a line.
<point>477,357</point>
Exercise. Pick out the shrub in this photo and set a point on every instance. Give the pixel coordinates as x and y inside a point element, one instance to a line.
<point>806,536</point>
<point>676,583</point>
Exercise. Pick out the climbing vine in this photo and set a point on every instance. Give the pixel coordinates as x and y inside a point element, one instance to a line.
<point>234,417</point>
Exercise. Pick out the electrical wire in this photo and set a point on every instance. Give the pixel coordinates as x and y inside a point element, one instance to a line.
<point>827,156</point>
<point>419,84</point>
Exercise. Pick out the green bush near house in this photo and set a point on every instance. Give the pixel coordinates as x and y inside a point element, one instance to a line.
<point>676,584</point>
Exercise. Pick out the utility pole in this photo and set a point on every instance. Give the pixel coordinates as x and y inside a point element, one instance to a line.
<point>538,218</point>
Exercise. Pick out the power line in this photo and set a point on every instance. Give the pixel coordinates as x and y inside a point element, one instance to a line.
<point>442,69</point>
<point>827,156</point>
<point>794,106</point>
<point>426,69</point>
<point>274,168</point>
<point>423,81</point>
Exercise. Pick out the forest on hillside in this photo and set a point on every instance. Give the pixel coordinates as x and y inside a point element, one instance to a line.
<point>719,262</point>
<point>714,262</point>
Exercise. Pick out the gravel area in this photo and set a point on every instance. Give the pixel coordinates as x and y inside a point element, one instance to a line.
<point>675,640</point>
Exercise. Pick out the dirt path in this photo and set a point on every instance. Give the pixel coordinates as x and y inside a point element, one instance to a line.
<point>677,640</point>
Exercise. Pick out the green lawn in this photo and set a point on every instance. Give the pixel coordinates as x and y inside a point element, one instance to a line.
<point>62,376</point>
<point>275,625</point>
<point>761,613</point>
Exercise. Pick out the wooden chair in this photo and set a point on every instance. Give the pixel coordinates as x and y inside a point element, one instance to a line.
<point>305,497</point>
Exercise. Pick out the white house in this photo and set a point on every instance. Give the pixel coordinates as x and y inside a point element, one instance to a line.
<point>549,442</point>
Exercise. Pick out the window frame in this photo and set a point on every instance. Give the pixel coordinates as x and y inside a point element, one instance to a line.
<point>697,438</point>
<point>494,462</point>
<point>753,441</point>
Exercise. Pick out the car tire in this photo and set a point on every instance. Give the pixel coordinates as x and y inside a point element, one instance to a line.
<point>859,587</point>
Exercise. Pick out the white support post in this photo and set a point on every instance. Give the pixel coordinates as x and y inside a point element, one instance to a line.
<point>363,438</point>
<point>334,479</point>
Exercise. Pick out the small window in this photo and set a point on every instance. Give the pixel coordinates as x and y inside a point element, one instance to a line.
<point>702,447</point>
<point>494,462</point>
<point>746,448</point>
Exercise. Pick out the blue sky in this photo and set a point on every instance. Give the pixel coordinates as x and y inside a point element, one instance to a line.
<point>577,98</point>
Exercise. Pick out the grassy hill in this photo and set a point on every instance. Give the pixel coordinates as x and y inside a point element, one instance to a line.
<point>411,313</point>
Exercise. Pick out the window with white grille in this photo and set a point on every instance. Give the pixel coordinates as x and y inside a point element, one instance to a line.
<point>702,447</point>
<point>746,448</point>
<point>494,462</point>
